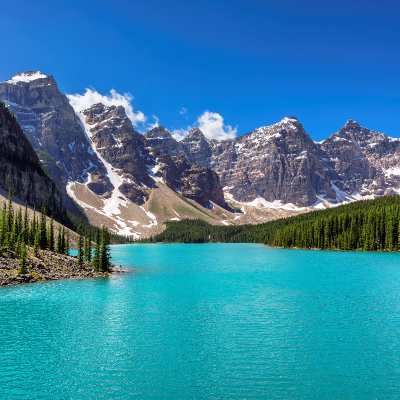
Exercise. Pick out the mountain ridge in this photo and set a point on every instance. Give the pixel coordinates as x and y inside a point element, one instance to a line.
<point>117,174</point>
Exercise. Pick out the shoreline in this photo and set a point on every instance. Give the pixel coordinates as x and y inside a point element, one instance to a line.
<point>48,266</point>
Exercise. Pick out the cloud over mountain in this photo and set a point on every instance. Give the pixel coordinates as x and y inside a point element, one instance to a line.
<point>81,102</point>
<point>212,126</point>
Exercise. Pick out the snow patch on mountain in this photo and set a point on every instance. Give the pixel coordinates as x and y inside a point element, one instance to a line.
<point>28,76</point>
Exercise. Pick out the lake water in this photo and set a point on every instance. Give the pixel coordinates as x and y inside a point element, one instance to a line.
<point>210,321</point>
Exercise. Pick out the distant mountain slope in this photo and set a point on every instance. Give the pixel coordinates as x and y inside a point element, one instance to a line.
<point>99,160</point>
<point>143,187</point>
<point>280,165</point>
<point>371,225</point>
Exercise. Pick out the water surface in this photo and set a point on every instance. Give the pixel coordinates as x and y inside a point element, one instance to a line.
<point>210,321</point>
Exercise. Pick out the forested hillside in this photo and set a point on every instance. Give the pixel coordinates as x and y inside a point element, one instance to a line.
<point>364,225</point>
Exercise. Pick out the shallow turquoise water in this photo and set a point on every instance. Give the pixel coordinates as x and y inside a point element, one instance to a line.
<point>215,321</point>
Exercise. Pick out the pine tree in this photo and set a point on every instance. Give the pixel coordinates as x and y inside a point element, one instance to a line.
<point>32,230</point>
<point>80,244</point>
<point>23,267</point>
<point>36,244</point>
<point>105,251</point>
<point>63,248</point>
<point>26,224</point>
<point>50,235</point>
<point>59,248</point>
<point>18,246</point>
<point>67,244</point>
<point>3,226</point>
<point>96,255</point>
<point>43,229</point>
<point>88,247</point>
<point>10,211</point>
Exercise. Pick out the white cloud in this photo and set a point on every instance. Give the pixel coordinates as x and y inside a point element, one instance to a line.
<point>212,126</point>
<point>82,102</point>
<point>180,134</point>
<point>183,111</point>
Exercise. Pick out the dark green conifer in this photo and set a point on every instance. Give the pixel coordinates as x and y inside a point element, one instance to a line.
<point>80,243</point>
<point>63,244</point>
<point>50,235</point>
<point>23,267</point>
<point>10,211</point>
<point>59,248</point>
<point>26,224</point>
<point>96,255</point>
<point>67,244</point>
<point>43,229</point>
<point>88,247</point>
<point>3,225</point>
<point>105,252</point>
<point>36,244</point>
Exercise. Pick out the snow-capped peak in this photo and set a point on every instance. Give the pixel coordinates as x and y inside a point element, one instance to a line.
<point>27,76</point>
<point>287,120</point>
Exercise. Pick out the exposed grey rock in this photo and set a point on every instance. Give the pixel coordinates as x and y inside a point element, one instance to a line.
<point>160,139</point>
<point>51,125</point>
<point>193,181</point>
<point>20,165</point>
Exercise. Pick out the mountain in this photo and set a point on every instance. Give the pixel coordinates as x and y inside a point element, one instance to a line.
<point>163,141</point>
<point>133,182</point>
<point>362,162</point>
<point>20,165</point>
<point>100,161</point>
<point>52,127</point>
<point>279,165</point>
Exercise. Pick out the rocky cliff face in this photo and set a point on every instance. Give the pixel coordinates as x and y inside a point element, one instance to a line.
<point>281,163</point>
<point>197,148</point>
<point>192,181</point>
<point>160,139</point>
<point>117,142</point>
<point>363,162</point>
<point>134,171</point>
<point>20,165</point>
<point>51,125</point>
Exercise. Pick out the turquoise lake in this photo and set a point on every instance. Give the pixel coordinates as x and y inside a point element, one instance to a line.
<point>208,321</point>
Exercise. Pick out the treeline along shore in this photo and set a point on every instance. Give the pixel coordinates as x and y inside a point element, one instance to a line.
<point>32,250</point>
<point>367,225</point>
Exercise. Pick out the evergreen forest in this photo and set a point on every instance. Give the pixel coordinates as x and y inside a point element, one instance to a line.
<point>370,225</point>
<point>17,232</point>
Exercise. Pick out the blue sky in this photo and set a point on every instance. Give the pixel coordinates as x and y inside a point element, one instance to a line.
<point>250,62</point>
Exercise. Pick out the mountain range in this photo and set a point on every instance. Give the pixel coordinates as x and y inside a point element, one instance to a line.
<point>133,182</point>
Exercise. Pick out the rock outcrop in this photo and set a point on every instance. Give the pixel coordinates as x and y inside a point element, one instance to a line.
<point>51,125</point>
<point>192,181</point>
<point>20,165</point>
<point>197,148</point>
<point>282,163</point>
<point>47,266</point>
<point>160,139</point>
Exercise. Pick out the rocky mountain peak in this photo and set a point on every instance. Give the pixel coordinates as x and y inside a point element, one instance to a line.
<point>197,147</point>
<point>352,124</point>
<point>195,133</point>
<point>157,132</point>
<point>27,76</point>
<point>99,113</point>
<point>51,125</point>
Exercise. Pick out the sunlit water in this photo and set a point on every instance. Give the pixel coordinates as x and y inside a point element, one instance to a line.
<point>217,321</point>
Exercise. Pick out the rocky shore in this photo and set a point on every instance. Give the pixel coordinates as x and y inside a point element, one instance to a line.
<point>46,266</point>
